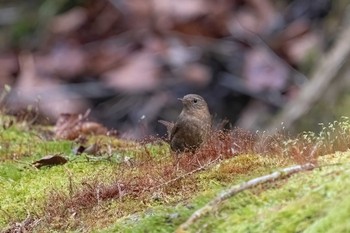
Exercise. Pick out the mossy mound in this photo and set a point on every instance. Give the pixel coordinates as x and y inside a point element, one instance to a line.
<point>311,201</point>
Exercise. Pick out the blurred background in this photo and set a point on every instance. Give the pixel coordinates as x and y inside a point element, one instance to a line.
<point>129,60</point>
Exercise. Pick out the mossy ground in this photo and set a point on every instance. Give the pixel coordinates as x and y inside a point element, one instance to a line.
<point>311,201</point>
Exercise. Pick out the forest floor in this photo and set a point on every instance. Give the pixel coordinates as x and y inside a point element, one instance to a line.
<point>128,186</point>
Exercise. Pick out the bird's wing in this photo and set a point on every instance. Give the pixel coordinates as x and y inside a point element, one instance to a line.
<point>174,130</point>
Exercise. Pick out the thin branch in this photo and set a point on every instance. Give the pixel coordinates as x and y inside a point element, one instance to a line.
<point>239,188</point>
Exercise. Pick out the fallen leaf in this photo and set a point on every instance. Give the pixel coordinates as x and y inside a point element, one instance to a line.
<point>79,150</point>
<point>72,126</point>
<point>140,73</point>
<point>263,71</point>
<point>50,160</point>
<point>69,21</point>
<point>34,89</point>
<point>89,127</point>
<point>197,74</point>
<point>65,60</point>
<point>181,10</point>
<point>92,149</point>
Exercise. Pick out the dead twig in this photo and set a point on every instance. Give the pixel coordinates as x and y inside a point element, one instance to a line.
<point>26,225</point>
<point>239,188</point>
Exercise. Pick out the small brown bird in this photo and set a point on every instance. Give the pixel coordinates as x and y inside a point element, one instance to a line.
<point>193,124</point>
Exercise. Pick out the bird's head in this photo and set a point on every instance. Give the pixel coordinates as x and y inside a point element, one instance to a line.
<point>193,103</point>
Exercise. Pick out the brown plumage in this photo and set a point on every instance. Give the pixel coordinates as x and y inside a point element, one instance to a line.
<point>192,126</point>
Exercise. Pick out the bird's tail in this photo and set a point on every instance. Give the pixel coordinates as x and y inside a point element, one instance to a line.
<point>169,126</point>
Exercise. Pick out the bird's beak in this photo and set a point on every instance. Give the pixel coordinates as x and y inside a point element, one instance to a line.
<point>180,99</point>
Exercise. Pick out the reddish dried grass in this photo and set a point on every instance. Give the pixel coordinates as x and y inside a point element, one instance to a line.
<point>148,174</point>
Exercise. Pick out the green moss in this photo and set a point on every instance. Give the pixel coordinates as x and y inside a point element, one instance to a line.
<point>23,190</point>
<point>336,220</point>
<point>10,172</point>
<point>287,206</point>
<point>157,219</point>
<point>312,201</point>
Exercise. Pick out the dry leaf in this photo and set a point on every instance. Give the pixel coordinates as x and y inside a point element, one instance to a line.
<point>79,150</point>
<point>50,160</point>
<point>181,10</point>
<point>92,149</point>
<point>32,89</point>
<point>72,126</point>
<point>140,73</point>
<point>263,71</point>
<point>89,127</point>
<point>197,74</point>
<point>69,21</point>
<point>65,60</point>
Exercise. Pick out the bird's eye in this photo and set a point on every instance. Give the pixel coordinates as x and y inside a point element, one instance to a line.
<point>195,100</point>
